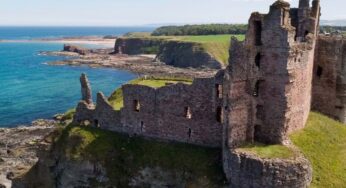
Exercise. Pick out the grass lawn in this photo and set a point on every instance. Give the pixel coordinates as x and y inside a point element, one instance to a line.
<point>217,45</point>
<point>323,142</point>
<point>268,151</point>
<point>116,99</point>
<point>123,157</point>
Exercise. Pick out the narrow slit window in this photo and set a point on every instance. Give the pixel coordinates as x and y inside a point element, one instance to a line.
<point>256,89</point>
<point>96,123</point>
<point>189,133</point>
<point>283,17</point>
<point>136,106</point>
<point>257,131</point>
<point>218,88</point>
<point>319,71</point>
<point>219,114</point>
<point>258,33</point>
<point>142,126</point>
<point>188,114</point>
<point>258,60</point>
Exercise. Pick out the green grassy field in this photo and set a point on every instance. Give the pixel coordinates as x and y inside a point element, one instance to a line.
<point>323,142</point>
<point>216,45</point>
<point>268,151</point>
<point>116,99</point>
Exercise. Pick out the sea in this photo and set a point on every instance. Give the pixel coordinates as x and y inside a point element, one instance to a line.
<point>30,89</point>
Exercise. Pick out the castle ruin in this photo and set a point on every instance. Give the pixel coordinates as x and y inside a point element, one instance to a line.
<point>281,70</point>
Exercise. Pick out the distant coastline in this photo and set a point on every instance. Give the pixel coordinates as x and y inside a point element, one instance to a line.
<point>83,40</point>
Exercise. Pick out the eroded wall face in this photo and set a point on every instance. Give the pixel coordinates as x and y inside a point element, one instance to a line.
<point>329,81</point>
<point>273,76</point>
<point>184,113</point>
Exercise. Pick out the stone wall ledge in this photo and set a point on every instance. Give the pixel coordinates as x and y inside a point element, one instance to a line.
<point>245,170</point>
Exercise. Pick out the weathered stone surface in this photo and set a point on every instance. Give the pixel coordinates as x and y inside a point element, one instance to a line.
<point>179,112</point>
<point>135,46</point>
<point>174,53</point>
<point>19,148</point>
<point>246,170</point>
<point>262,96</point>
<point>186,54</point>
<point>76,49</point>
<point>86,89</point>
<point>329,81</point>
<point>269,78</point>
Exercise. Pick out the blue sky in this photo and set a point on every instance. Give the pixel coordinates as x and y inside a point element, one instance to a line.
<point>141,12</point>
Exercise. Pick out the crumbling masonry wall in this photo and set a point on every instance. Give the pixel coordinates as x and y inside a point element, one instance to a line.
<point>329,81</point>
<point>267,91</point>
<point>268,81</point>
<point>178,112</point>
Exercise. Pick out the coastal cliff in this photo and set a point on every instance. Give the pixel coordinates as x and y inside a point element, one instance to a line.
<point>171,52</point>
<point>88,157</point>
<point>186,54</point>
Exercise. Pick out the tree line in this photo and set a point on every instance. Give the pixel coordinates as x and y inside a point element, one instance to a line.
<point>218,29</point>
<point>205,29</point>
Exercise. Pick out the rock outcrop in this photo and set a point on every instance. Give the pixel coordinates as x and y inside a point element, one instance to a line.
<point>186,54</point>
<point>175,53</point>
<point>135,46</point>
<point>76,49</point>
<point>19,150</point>
<point>86,89</point>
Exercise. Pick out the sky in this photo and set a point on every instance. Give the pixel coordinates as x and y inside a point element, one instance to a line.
<point>141,12</point>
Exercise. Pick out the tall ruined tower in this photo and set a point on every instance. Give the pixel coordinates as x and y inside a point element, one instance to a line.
<point>267,88</point>
<point>267,94</point>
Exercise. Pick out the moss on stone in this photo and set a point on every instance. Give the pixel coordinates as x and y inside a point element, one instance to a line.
<point>268,151</point>
<point>116,99</point>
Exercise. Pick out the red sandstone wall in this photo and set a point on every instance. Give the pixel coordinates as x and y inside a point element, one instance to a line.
<point>276,94</point>
<point>163,112</point>
<point>329,86</point>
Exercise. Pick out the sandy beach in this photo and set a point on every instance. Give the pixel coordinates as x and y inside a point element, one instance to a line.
<point>87,40</point>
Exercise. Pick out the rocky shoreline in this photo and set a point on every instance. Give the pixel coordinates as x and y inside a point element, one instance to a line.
<point>139,64</point>
<point>20,147</point>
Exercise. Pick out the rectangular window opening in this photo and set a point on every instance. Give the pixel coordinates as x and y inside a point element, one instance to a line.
<point>136,105</point>
<point>319,71</point>
<point>188,114</point>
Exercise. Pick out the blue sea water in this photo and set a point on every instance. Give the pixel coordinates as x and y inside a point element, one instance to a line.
<point>31,89</point>
<point>22,33</point>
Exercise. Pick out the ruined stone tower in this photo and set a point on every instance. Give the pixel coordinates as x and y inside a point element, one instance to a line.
<point>268,82</point>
